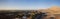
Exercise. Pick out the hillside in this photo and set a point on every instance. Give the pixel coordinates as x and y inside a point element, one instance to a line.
<point>54,10</point>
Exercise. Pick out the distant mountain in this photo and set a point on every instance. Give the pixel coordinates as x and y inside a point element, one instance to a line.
<point>54,10</point>
<point>51,10</point>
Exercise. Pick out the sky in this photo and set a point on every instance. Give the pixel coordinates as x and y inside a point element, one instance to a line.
<point>28,4</point>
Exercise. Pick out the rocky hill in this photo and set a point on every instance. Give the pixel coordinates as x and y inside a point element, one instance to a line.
<point>52,10</point>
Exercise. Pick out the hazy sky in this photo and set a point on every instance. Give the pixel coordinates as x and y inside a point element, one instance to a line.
<point>28,4</point>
